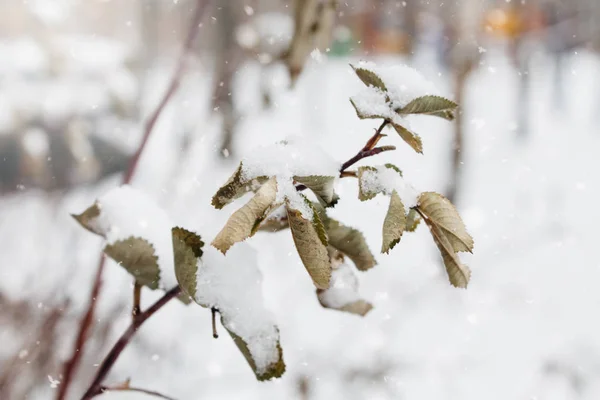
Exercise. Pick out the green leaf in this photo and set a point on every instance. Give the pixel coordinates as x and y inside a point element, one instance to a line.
<point>412,139</point>
<point>352,243</point>
<point>393,224</point>
<point>431,105</point>
<point>275,370</point>
<point>442,213</point>
<point>235,187</point>
<point>311,242</point>
<point>245,222</point>
<point>138,258</point>
<point>321,186</point>
<point>412,221</point>
<point>369,78</point>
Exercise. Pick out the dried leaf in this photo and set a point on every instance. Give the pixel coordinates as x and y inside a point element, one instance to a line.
<point>235,187</point>
<point>458,273</point>
<point>311,242</point>
<point>442,213</point>
<point>412,220</point>
<point>352,243</point>
<point>137,256</point>
<point>412,139</point>
<point>87,218</point>
<point>369,78</point>
<point>431,105</point>
<point>366,191</point>
<point>343,294</point>
<point>393,224</point>
<point>187,250</point>
<point>321,186</point>
<point>245,222</point>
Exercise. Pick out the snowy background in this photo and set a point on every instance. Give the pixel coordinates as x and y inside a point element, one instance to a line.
<point>525,328</point>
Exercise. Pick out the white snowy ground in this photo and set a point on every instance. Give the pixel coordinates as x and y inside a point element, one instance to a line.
<point>530,308</point>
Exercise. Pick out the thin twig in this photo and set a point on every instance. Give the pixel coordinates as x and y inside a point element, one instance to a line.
<point>214,322</point>
<point>86,322</point>
<point>112,356</point>
<point>369,148</point>
<point>137,299</point>
<point>104,389</point>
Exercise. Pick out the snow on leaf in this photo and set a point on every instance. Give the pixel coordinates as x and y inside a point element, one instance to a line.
<point>369,78</point>
<point>412,220</point>
<point>385,179</point>
<point>412,139</point>
<point>442,213</point>
<point>352,243</point>
<point>371,104</point>
<point>342,293</point>
<point>393,224</point>
<point>125,216</point>
<point>430,105</point>
<point>244,222</point>
<point>321,186</point>
<point>232,285</point>
<point>311,243</point>
<point>138,258</point>
<point>235,187</point>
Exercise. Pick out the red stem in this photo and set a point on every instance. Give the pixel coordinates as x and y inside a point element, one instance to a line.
<point>86,322</point>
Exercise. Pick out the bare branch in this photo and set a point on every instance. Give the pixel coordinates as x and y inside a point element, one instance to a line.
<point>137,298</point>
<point>112,356</point>
<point>134,389</point>
<point>71,366</point>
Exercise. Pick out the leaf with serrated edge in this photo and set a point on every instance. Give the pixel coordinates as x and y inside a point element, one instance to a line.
<point>138,257</point>
<point>363,193</point>
<point>412,220</point>
<point>412,139</point>
<point>352,243</point>
<point>311,242</point>
<point>393,224</point>
<point>244,222</point>
<point>458,273</point>
<point>369,78</point>
<point>321,186</point>
<point>441,212</point>
<point>431,105</point>
<point>235,187</point>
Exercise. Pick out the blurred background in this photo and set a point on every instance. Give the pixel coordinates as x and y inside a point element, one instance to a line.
<point>78,78</point>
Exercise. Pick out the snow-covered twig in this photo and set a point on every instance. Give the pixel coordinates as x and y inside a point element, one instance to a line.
<point>86,322</point>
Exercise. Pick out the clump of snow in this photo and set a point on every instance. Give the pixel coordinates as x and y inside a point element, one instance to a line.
<point>403,84</point>
<point>286,159</point>
<point>127,212</point>
<point>343,289</point>
<point>232,284</point>
<point>385,180</point>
